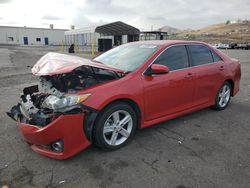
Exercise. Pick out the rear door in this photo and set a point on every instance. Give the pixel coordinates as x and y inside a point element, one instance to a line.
<point>209,70</point>
<point>172,92</point>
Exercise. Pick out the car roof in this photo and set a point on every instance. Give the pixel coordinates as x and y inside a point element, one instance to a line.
<point>166,42</point>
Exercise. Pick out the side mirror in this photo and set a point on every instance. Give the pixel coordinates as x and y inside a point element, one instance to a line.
<point>157,69</point>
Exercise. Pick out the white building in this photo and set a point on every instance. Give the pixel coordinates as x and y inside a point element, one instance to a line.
<point>31,36</point>
<point>83,38</point>
<point>103,37</point>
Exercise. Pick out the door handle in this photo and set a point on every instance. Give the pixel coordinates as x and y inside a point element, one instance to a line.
<point>221,68</point>
<point>189,75</point>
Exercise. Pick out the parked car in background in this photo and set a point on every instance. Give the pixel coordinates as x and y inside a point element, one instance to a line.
<point>222,46</point>
<point>243,46</point>
<point>79,102</point>
<point>233,46</point>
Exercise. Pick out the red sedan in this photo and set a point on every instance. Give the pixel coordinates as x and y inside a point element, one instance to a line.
<point>104,101</point>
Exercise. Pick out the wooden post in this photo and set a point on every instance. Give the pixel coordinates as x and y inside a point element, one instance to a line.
<point>62,46</point>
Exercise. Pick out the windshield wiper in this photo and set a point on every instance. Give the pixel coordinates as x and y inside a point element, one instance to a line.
<point>126,72</point>
<point>97,61</point>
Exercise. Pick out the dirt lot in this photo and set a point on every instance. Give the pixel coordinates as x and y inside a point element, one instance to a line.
<point>202,149</point>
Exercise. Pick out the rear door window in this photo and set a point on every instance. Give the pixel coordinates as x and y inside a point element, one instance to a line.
<point>200,55</point>
<point>174,57</point>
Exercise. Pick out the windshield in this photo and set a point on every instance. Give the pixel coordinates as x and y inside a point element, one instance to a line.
<point>127,57</point>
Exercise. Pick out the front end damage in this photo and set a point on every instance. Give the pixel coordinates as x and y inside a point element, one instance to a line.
<point>56,134</point>
<point>52,116</point>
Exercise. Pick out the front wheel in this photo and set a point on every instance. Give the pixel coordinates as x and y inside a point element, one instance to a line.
<point>223,96</point>
<point>115,126</point>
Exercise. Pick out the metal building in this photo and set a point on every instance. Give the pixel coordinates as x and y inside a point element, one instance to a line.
<point>153,35</point>
<point>103,37</point>
<point>31,36</point>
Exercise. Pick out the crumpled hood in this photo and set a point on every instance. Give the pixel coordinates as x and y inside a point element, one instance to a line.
<point>55,63</point>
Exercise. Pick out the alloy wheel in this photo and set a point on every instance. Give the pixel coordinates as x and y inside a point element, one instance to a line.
<point>224,95</point>
<point>117,128</point>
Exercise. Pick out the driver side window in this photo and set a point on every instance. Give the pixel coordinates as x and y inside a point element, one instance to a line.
<point>174,57</point>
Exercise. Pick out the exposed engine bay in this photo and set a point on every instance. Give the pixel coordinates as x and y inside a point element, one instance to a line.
<point>80,78</point>
<point>57,94</point>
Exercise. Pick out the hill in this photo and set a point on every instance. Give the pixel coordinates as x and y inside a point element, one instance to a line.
<point>225,33</point>
<point>169,29</point>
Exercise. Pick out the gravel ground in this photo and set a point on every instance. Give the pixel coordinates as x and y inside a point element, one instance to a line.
<point>203,149</point>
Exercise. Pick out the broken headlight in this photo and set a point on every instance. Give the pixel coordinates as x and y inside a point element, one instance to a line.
<point>55,103</point>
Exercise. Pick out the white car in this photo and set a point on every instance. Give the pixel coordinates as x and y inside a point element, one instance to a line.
<point>221,46</point>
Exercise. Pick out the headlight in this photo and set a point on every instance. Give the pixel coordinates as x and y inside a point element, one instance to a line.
<point>54,102</point>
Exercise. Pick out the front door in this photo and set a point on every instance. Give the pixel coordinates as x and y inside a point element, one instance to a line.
<point>173,92</point>
<point>46,40</point>
<point>25,41</point>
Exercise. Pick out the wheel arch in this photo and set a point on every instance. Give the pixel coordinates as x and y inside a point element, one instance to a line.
<point>231,82</point>
<point>131,103</point>
<point>127,101</point>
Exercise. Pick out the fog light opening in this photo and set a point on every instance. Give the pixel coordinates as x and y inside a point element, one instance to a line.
<point>57,146</point>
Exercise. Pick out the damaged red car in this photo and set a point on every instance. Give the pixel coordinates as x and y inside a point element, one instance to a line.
<point>79,102</point>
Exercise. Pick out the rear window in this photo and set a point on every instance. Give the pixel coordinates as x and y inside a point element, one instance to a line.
<point>200,55</point>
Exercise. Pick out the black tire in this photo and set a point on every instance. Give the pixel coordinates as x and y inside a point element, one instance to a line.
<point>105,116</point>
<point>221,106</point>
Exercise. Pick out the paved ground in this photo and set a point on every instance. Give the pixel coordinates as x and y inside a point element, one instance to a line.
<point>203,149</point>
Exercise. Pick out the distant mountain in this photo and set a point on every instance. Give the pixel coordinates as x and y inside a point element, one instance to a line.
<point>224,32</point>
<point>169,29</point>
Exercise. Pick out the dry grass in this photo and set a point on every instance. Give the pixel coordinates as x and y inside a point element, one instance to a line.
<point>227,33</point>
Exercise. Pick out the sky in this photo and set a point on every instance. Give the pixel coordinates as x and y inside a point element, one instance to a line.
<point>143,14</point>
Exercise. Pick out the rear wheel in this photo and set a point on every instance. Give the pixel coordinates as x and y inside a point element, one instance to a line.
<point>115,126</point>
<point>223,96</point>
